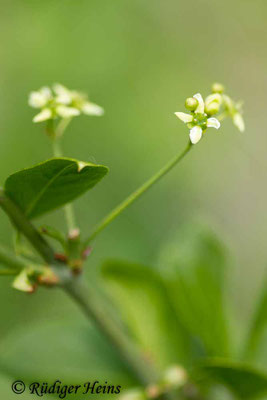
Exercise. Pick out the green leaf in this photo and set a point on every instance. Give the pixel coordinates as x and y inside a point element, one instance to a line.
<point>141,296</point>
<point>73,353</point>
<point>52,184</point>
<point>193,267</point>
<point>243,380</point>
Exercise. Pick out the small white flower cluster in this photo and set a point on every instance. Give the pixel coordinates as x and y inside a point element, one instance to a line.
<point>202,112</point>
<point>61,102</point>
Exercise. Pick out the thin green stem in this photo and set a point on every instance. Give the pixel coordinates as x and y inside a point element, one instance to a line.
<point>57,152</point>
<point>68,209</point>
<point>62,126</point>
<point>139,192</point>
<point>70,217</point>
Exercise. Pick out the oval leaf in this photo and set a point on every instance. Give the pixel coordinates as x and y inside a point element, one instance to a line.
<point>193,267</point>
<point>52,184</point>
<point>142,298</point>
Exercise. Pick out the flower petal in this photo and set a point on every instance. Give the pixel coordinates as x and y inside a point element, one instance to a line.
<point>89,108</point>
<point>67,112</point>
<point>200,107</point>
<point>239,122</point>
<point>37,100</point>
<point>63,95</point>
<point>46,92</point>
<point>184,117</point>
<point>213,123</point>
<point>44,115</point>
<point>195,134</point>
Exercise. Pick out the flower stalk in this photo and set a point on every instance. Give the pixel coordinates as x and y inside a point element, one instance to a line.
<point>57,152</point>
<point>138,193</point>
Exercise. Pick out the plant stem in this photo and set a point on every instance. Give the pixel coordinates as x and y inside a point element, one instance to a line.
<point>62,126</point>
<point>139,192</point>
<point>89,302</point>
<point>23,225</point>
<point>68,209</point>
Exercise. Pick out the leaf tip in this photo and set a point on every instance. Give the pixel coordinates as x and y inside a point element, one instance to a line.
<point>81,165</point>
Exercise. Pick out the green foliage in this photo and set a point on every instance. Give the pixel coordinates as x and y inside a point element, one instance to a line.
<point>242,380</point>
<point>193,267</point>
<point>143,300</point>
<point>52,184</point>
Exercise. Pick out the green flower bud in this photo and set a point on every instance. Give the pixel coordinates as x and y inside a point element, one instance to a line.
<point>212,108</point>
<point>191,103</point>
<point>217,88</point>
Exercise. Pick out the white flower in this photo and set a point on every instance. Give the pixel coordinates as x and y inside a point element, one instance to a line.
<point>61,102</point>
<point>198,120</point>
<point>76,100</point>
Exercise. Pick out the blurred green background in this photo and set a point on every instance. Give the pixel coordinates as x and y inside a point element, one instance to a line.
<point>140,60</point>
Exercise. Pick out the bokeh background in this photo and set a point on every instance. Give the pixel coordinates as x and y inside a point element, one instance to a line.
<point>140,60</point>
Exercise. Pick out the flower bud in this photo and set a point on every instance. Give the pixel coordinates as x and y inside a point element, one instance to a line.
<point>191,103</point>
<point>175,377</point>
<point>217,88</point>
<point>23,283</point>
<point>212,108</point>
